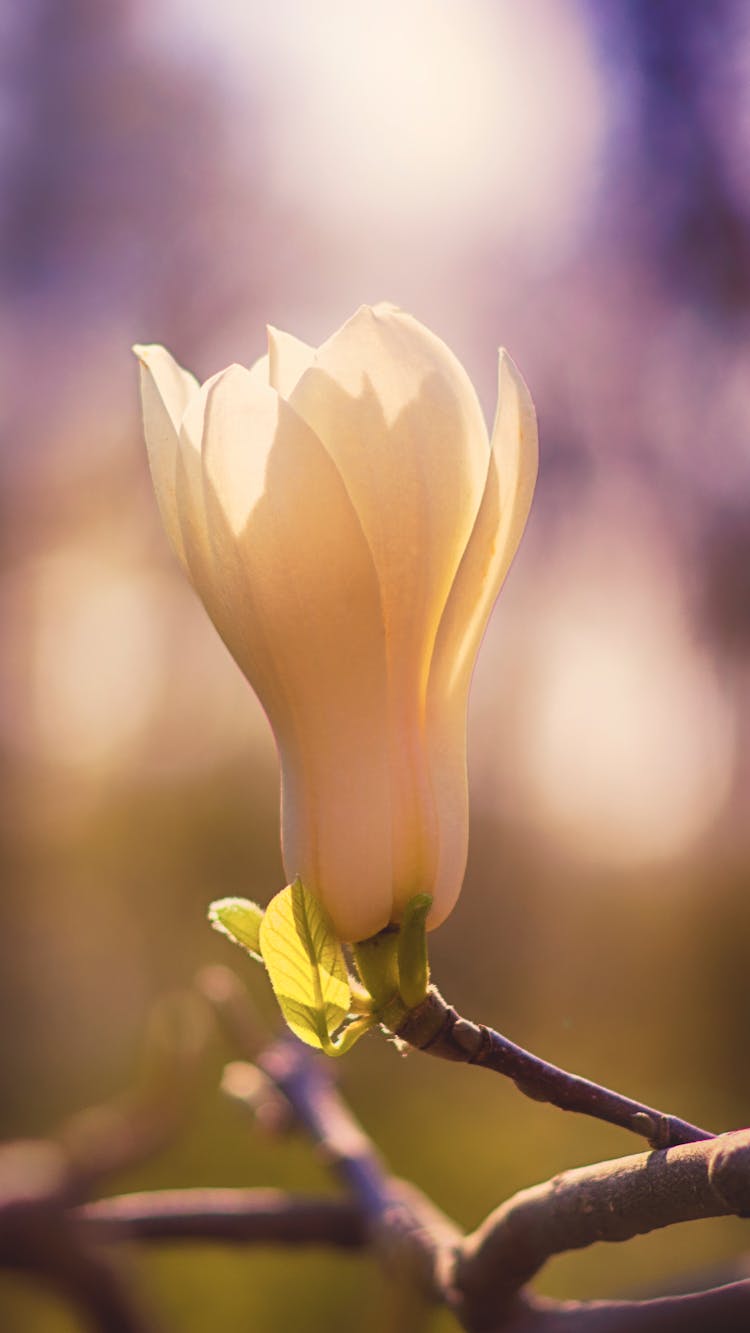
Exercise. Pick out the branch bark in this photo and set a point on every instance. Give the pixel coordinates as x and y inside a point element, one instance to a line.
<point>45,1229</point>
<point>612,1201</point>
<point>415,1241</point>
<point>229,1216</point>
<point>721,1310</point>
<point>437,1028</point>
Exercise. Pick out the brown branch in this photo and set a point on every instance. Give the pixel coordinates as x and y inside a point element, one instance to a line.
<point>242,1216</point>
<point>436,1027</point>
<point>611,1201</point>
<point>231,1216</point>
<point>272,1217</point>
<point>408,1231</point>
<point>301,1083</point>
<point>721,1310</point>
<point>36,1187</point>
<point>117,1135</point>
<point>92,1285</point>
<point>46,1230</point>
<point>41,1181</point>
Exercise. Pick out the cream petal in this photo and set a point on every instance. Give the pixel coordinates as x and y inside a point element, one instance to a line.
<point>261,369</point>
<point>166,390</point>
<point>189,491</point>
<point>289,358</point>
<point>294,593</point>
<point>399,415</point>
<point>499,526</point>
<point>493,543</point>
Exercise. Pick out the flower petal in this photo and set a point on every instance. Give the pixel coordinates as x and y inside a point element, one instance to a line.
<point>261,369</point>
<point>289,358</point>
<point>399,415</point>
<point>189,492</point>
<point>294,593</point>
<point>486,561</point>
<point>499,526</point>
<point>166,390</point>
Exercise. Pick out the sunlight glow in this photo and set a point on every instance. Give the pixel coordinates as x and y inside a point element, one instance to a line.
<point>420,115</point>
<point>630,745</point>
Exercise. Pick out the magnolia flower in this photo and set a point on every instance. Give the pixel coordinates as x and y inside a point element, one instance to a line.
<point>347,524</point>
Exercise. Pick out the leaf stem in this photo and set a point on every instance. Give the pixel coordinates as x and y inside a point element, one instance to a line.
<point>377,964</point>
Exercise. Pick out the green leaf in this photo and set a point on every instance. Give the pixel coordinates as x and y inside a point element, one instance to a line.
<point>240,920</point>
<point>306,965</point>
<point>349,1035</point>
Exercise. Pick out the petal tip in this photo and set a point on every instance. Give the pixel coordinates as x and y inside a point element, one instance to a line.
<point>232,372</point>
<point>382,310</point>
<point>505,361</point>
<point>141,351</point>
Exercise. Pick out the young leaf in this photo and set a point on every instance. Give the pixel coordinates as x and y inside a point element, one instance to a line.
<point>306,965</point>
<point>351,1034</point>
<point>240,920</point>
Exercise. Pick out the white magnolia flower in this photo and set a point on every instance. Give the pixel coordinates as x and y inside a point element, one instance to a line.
<point>347,524</point>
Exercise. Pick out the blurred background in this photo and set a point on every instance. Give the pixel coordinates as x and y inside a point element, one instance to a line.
<point>570,180</point>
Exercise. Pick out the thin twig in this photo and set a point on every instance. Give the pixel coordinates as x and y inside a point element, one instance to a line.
<point>436,1027</point>
<point>413,1238</point>
<point>408,1231</point>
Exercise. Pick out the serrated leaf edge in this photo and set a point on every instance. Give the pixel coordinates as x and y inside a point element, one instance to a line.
<point>323,951</point>
<point>223,929</point>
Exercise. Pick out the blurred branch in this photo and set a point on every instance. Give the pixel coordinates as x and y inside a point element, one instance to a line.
<point>721,1310</point>
<point>41,1181</point>
<point>239,1216</point>
<point>46,1230</point>
<point>107,1139</point>
<point>36,1186</point>
<point>436,1027</point>
<point>414,1240</point>
<point>93,1285</point>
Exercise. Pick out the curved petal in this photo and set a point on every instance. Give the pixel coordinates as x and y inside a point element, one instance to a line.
<point>189,496</point>
<point>288,359</point>
<point>166,390</point>
<point>399,416</point>
<point>261,369</point>
<point>293,591</point>
<point>486,561</point>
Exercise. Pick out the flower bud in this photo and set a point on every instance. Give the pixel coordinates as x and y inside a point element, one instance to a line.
<point>347,524</point>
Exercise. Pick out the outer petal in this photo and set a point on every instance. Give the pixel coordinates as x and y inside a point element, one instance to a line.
<point>288,359</point>
<point>493,543</point>
<point>400,417</point>
<point>261,369</point>
<point>166,390</point>
<point>189,492</point>
<point>293,591</point>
